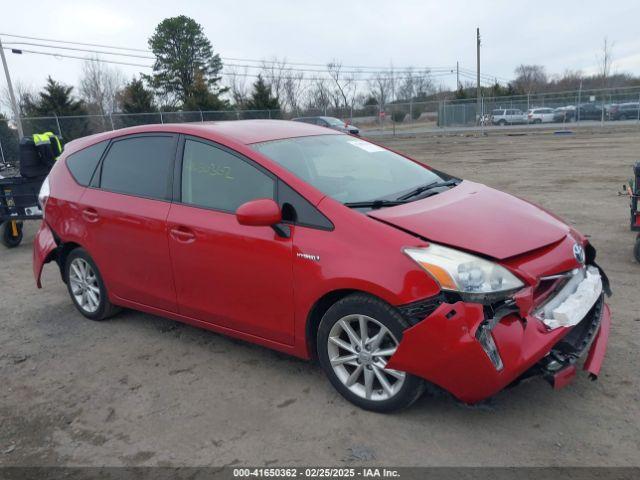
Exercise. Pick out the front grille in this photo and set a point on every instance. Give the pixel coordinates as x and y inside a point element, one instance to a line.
<point>415,312</point>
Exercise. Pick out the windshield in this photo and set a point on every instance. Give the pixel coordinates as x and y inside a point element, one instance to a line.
<point>333,121</point>
<point>348,169</point>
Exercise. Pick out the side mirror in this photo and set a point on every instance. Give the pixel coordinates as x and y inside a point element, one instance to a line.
<point>262,212</point>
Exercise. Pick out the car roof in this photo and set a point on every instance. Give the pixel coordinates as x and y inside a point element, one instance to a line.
<point>245,132</point>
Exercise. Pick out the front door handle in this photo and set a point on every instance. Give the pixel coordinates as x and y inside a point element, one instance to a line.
<point>182,234</point>
<point>90,215</point>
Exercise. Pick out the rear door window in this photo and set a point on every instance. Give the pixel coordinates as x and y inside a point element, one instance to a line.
<point>83,163</point>
<point>140,166</point>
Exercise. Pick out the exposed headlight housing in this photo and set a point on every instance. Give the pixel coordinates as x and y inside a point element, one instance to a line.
<point>476,280</point>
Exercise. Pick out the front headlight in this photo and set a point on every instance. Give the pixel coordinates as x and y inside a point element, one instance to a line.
<point>475,279</point>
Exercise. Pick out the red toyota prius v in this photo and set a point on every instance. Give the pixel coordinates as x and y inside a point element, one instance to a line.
<point>326,246</point>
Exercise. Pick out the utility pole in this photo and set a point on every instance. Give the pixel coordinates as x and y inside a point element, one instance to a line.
<point>457,75</point>
<point>14,105</point>
<point>478,99</point>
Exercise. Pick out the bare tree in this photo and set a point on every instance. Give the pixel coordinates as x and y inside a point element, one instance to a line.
<point>345,86</point>
<point>423,84</point>
<point>530,78</point>
<point>238,86</point>
<point>569,80</point>
<point>294,87</point>
<point>25,97</point>
<point>99,86</point>
<point>319,96</point>
<point>414,84</point>
<point>381,85</point>
<point>274,72</point>
<point>605,60</point>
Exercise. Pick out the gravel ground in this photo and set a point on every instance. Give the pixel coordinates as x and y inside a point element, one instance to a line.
<point>141,390</point>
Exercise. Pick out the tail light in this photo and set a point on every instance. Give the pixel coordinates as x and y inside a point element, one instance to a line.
<point>43,196</point>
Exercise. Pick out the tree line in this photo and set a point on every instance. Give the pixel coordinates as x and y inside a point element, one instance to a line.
<point>187,76</point>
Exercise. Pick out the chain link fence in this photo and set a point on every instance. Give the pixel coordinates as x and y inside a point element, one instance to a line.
<point>571,108</point>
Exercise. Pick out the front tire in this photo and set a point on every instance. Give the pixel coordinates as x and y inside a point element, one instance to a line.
<point>86,287</point>
<point>356,338</point>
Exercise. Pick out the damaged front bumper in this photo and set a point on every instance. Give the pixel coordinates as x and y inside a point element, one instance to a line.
<point>458,348</point>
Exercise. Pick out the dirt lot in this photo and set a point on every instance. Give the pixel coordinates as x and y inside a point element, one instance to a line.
<point>140,390</point>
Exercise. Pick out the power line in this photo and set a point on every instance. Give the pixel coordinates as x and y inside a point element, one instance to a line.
<point>284,65</point>
<point>61,55</point>
<point>100,52</point>
<point>262,63</point>
<point>75,43</point>
<point>266,74</point>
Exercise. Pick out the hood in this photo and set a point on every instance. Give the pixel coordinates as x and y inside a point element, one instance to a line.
<point>476,218</point>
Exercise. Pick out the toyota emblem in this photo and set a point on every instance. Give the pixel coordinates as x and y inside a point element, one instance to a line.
<point>578,252</point>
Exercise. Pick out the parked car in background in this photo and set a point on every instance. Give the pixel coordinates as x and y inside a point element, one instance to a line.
<point>590,111</point>
<point>564,114</point>
<point>508,116</point>
<point>540,115</point>
<point>624,111</point>
<point>325,246</point>
<point>330,122</point>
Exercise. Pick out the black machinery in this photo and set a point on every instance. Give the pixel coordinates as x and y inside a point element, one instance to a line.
<point>19,194</point>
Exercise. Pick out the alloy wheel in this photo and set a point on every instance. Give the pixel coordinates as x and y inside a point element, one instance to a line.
<point>359,348</point>
<point>84,285</point>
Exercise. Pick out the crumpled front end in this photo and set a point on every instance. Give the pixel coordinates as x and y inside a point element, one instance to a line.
<point>474,350</point>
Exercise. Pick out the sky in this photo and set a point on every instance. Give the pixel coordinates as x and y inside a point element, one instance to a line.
<point>557,34</point>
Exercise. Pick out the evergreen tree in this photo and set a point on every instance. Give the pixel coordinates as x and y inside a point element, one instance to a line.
<point>57,100</point>
<point>135,98</point>
<point>201,98</point>
<point>261,97</point>
<point>183,53</point>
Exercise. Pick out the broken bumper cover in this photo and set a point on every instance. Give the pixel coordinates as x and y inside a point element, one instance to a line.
<point>444,349</point>
<point>44,245</point>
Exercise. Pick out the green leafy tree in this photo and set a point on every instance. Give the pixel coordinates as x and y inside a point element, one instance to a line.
<point>57,100</point>
<point>183,53</point>
<point>261,97</point>
<point>8,141</point>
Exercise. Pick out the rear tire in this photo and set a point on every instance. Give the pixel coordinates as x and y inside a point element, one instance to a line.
<point>355,367</point>
<point>6,234</point>
<point>86,287</point>
<point>636,250</point>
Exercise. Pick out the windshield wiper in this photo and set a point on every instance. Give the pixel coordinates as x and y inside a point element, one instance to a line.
<point>375,204</point>
<point>426,188</point>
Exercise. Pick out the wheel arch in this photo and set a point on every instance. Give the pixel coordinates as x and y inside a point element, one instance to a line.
<point>320,307</point>
<point>64,249</point>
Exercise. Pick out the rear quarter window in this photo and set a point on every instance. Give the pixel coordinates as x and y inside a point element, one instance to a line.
<point>82,164</point>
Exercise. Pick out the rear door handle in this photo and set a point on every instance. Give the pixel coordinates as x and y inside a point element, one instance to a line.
<point>182,234</point>
<point>90,215</point>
